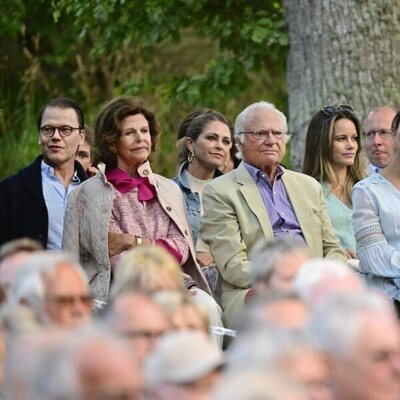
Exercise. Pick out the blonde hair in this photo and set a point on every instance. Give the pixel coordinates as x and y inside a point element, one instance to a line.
<point>139,269</point>
<point>171,300</point>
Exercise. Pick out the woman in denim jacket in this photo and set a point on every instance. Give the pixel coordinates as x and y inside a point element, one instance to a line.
<point>205,142</point>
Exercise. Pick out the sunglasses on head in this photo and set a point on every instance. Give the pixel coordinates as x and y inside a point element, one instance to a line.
<point>333,110</point>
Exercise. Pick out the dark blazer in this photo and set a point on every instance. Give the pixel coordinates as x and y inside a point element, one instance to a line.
<point>23,211</point>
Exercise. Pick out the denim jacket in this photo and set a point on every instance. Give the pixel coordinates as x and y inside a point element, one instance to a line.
<point>192,200</point>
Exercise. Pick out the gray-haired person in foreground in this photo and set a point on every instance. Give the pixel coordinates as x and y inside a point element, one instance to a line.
<point>90,364</point>
<point>55,287</point>
<point>361,333</point>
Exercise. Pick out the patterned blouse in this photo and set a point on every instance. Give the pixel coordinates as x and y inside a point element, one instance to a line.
<point>146,219</point>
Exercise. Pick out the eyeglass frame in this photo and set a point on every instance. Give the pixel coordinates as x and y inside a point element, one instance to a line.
<point>64,301</point>
<point>330,111</point>
<point>271,132</point>
<point>58,128</point>
<point>142,334</point>
<point>369,137</point>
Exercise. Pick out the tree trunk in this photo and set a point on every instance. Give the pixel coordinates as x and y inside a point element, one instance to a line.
<point>341,52</point>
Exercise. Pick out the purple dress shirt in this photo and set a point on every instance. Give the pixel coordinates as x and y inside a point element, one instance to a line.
<point>277,203</point>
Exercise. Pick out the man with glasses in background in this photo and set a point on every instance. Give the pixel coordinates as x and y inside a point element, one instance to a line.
<point>261,199</point>
<point>32,202</point>
<point>378,138</point>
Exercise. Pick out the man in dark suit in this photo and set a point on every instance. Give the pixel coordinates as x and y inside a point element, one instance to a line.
<point>33,201</point>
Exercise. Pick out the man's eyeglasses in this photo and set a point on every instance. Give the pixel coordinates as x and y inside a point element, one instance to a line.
<point>49,131</point>
<point>142,334</point>
<point>333,110</point>
<point>68,301</point>
<point>384,134</point>
<point>261,135</point>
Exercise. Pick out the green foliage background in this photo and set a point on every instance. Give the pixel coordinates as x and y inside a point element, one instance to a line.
<point>175,54</point>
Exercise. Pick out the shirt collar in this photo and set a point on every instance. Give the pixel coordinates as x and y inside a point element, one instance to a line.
<point>258,174</point>
<point>48,171</point>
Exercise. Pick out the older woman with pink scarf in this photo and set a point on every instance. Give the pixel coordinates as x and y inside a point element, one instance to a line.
<point>126,205</point>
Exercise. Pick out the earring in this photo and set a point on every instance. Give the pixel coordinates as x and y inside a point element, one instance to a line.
<point>190,156</point>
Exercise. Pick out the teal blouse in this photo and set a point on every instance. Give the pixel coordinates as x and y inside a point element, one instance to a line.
<point>340,215</point>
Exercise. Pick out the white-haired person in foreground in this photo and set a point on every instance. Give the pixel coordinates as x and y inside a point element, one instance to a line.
<point>12,255</point>
<point>319,278</point>
<point>292,353</point>
<point>275,263</point>
<point>275,309</point>
<point>259,385</point>
<point>25,352</point>
<point>55,287</point>
<point>87,364</point>
<point>361,333</point>
<point>183,365</point>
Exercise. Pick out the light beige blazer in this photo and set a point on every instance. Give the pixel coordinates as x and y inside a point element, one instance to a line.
<point>235,218</point>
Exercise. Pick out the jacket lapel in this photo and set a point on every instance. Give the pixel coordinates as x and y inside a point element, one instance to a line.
<point>295,194</point>
<point>32,177</point>
<point>252,198</point>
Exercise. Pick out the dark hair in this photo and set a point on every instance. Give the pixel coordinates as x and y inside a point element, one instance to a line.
<point>233,152</point>
<point>108,122</point>
<point>63,102</point>
<point>193,125</point>
<point>396,123</point>
<point>317,155</point>
<point>89,139</point>
<point>89,135</point>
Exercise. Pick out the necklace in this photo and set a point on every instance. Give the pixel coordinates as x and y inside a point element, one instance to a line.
<point>339,189</point>
<point>341,194</point>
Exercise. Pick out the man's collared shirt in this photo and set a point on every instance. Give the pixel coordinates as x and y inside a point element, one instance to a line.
<point>277,203</point>
<point>371,168</point>
<point>55,195</point>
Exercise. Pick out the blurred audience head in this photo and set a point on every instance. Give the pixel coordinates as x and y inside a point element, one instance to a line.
<point>139,320</point>
<point>26,353</point>
<point>361,332</point>
<point>183,365</point>
<point>259,385</point>
<point>319,278</point>
<point>87,365</point>
<point>274,309</point>
<point>291,352</point>
<point>147,268</point>
<point>182,312</point>
<point>275,263</point>
<point>55,287</point>
<point>12,255</point>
